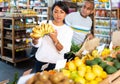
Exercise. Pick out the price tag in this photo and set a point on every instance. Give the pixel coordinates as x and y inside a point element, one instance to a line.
<point>111,46</point>
<point>85,52</point>
<point>60,64</point>
<point>100,48</point>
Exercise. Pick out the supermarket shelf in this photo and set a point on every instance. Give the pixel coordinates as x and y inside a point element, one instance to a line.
<point>101,35</point>
<point>105,27</point>
<point>107,18</point>
<point>16,60</point>
<point>42,15</point>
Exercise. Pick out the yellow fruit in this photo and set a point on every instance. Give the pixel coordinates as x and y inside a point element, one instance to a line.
<point>76,58</point>
<point>82,68</point>
<point>105,52</point>
<point>97,72</point>
<point>81,73</point>
<point>95,53</point>
<point>80,80</point>
<point>97,66</point>
<point>87,82</point>
<point>103,0</point>
<point>84,59</point>
<point>73,75</point>
<point>78,62</point>
<point>66,72</point>
<point>88,69</point>
<point>71,66</point>
<point>104,75</point>
<point>98,79</point>
<point>74,1</point>
<point>90,76</point>
<point>93,82</point>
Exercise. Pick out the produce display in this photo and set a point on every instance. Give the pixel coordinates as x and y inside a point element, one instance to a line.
<point>92,68</point>
<point>80,72</point>
<point>103,0</point>
<point>4,1</point>
<point>41,30</point>
<point>28,12</point>
<point>77,1</point>
<point>50,77</point>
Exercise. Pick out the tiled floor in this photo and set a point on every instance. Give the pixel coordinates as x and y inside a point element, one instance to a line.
<point>8,70</point>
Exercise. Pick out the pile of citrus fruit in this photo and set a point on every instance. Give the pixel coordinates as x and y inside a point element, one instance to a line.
<point>78,71</point>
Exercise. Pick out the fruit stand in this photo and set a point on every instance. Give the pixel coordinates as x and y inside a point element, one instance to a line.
<point>88,70</point>
<point>94,67</point>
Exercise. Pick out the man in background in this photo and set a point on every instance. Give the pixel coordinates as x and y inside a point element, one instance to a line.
<point>81,22</point>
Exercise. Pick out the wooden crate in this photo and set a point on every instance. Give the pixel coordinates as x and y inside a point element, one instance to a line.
<point>112,79</point>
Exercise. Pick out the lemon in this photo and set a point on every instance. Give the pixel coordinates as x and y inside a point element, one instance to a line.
<point>104,75</point>
<point>80,80</point>
<point>66,72</point>
<point>90,76</point>
<point>88,69</point>
<point>82,68</point>
<point>95,53</point>
<point>71,66</point>
<point>98,79</point>
<point>76,58</point>
<point>81,73</point>
<point>93,82</point>
<point>97,72</point>
<point>78,62</point>
<point>97,66</point>
<point>87,82</point>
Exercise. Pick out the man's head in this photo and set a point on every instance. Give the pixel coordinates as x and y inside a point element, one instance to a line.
<point>87,8</point>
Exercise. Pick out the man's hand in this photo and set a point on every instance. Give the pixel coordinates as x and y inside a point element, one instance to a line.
<point>90,36</point>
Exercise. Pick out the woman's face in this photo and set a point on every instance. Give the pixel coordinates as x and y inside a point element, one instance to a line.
<point>58,14</point>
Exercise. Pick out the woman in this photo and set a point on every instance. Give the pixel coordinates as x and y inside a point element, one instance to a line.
<point>52,47</point>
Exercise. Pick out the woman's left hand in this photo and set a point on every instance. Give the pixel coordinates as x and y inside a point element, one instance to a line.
<point>58,45</point>
<point>53,36</point>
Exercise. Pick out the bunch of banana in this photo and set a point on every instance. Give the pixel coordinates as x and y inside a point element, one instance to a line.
<point>103,0</point>
<point>41,30</point>
<point>77,1</point>
<point>1,1</point>
<point>87,57</point>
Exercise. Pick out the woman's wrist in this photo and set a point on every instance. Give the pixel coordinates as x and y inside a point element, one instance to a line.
<point>56,42</point>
